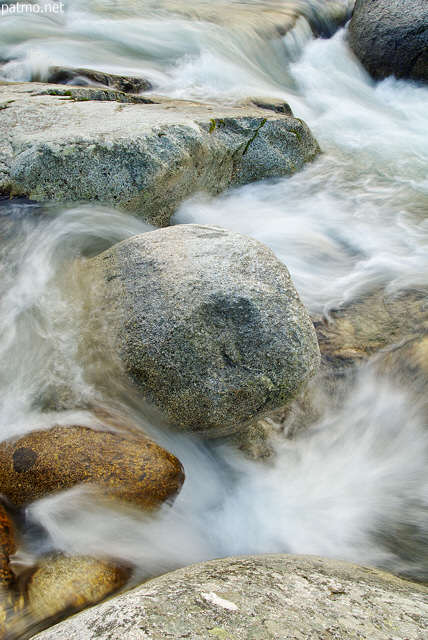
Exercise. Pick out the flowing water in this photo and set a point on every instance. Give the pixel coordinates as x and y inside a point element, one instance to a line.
<point>355,485</point>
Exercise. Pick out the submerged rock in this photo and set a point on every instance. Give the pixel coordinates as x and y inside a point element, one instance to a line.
<point>207,323</point>
<point>146,158</point>
<point>268,20</point>
<point>61,586</point>
<point>122,465</point>
<point>265,597</point>
<point>387,332</point>
<point>391,38</point>
<point>361,327</point>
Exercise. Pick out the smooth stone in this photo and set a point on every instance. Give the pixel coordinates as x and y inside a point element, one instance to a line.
<point>124,466</point>
<point>61,586</point>
<point>146,157</point>
<point>207,323</point>
<point>390,37</point>
<point>264,597</point>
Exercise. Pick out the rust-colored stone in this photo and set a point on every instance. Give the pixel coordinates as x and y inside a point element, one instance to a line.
<point>63,585</point>
<point>7,546</point>
<point>126,466</point>
<point>59,587</point>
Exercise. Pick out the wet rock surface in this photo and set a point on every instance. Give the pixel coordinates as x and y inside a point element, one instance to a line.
<point>58,587</point>
<point>360,328</point>
<point>7,546</point>
<point>121,465</point>
<point>261,597</point>
<point>384,331</point>
<point>147,157</point>
<point>66,75</point>
<point>208,325</point>
<point>390,37</point>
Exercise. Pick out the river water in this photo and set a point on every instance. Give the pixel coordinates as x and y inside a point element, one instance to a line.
<point>353,220</point>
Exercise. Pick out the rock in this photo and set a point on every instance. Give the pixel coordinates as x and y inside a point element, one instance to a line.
<point>65,75</point>
<point>122,465</point>
<point>7,546</point>
<point>61,586</point>
<point>266,20</point>
<point>361,327</point>
<point>85,94</point>
<point>11,596</point>
<point>207,323</point>
<point>259,597</point>
<point>390,37</point>
<point>388,331</point>
<point>145,158</point>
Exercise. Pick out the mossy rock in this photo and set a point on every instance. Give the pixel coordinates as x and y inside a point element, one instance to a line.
<point>125,466</point>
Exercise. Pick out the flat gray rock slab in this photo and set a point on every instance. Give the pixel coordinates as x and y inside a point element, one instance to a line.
<point>264,597</point>
<point>144,154</point>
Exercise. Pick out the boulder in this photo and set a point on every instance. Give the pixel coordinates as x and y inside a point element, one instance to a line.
<point>73,144</point>
<point>207,323</point>
<point>259,597</point>
<point>125,466</point>
<point>390,37</point>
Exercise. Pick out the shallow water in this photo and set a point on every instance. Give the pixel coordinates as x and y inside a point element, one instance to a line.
<point>355,486</point>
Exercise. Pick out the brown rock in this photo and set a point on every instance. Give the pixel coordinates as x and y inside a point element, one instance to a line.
<point>7,546</point>
<point>61,586</point>
<point>126,466</point>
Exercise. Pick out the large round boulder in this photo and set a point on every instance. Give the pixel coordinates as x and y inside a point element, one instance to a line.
<point>124,466</point>
<point>207,323</point>
<point>267,597</point>
<point>390,37</point>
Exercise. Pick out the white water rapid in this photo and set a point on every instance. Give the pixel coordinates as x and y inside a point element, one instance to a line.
<point>354,486</point>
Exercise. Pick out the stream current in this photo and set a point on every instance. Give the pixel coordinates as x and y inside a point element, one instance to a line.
<point>354,220</point>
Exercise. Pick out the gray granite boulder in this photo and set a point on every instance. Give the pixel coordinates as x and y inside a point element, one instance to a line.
<point>390,37</point>
<point>264,597</point>
<point>208,325</point>
<point>144,154</point>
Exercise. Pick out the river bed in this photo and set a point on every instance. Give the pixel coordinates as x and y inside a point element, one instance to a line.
<point>354,220</point>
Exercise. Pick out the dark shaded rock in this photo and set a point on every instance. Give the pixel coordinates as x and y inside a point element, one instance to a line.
<point>65,75</point>
<point>390,37</point>
<point>207,323</point>
<point>122,465</point>
<point>264,597</point>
